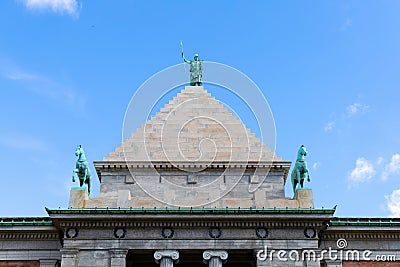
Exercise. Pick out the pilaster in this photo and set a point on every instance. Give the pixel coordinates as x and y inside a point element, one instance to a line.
<point>68,257</point>
<point>118,257</point>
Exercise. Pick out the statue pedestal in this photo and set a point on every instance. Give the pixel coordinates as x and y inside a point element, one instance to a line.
<point>305,198</point>
<point>78,197</point>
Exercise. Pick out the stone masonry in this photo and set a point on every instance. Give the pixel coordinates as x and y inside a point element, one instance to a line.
<point>193,153</point>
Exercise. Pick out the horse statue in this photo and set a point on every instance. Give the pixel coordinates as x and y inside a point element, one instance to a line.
<point>300,170</point>
<point>81,168</point>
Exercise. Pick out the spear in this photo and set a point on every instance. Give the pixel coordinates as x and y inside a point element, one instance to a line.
<point>183,57</point>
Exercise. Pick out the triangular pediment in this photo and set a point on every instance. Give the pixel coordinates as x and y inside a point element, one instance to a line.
<point>193,127</point>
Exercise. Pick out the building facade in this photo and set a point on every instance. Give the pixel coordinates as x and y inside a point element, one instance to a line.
<point>195,187</point>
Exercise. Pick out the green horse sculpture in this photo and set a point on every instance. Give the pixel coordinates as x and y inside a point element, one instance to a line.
<point>300,171</point>
<point>82,169</point>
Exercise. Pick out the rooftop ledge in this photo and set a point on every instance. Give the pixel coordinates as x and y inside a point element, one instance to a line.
<point>191,211</point>
<point>225,164</point>
<point>26,221</point>
<point>110,165</point>
<point>365,221</point>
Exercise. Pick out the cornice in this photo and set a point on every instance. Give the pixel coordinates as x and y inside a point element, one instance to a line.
<point>362,235</point>
<point>189,218</point>
<point>16,235</point>
<point>186,224</point>
<point>181,211</point>
<point>123,165</point>
<point>25,221</point>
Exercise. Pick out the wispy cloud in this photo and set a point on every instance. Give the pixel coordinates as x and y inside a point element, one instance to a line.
<point>22,142</point>
<point>329,126</point>
<point>351,111</point>
<point>70,7</point>
<point>347,24</point>
<point>363,171</point>
<point>392,168</point>
<point>379,161</point>
<point>393,203</point>
<point>20,76</point>
<point>316,165</point>
<point>356,108</point>
<point>43,86</point>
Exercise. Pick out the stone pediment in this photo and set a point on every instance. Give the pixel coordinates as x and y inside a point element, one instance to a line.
<point>192,127</point>
<point>192,153</point>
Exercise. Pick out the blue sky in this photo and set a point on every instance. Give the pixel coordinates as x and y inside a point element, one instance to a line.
<point>329,70</point>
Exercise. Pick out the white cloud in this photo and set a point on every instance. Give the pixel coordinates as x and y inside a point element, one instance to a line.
<point>393,203</point>
<point>316,165</point>
<point>392,168</point>
<point>70,7</point>
<point>329,126</point>
<point>355,108</point>
<point>363,171</point>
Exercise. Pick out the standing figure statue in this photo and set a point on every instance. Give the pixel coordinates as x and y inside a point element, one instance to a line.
<point>300,170</point>
<point>196,71</point>
<point>81,168</point>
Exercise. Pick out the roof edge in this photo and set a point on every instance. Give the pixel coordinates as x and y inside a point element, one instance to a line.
<point>192,211</point>
<point>115,165</point>
<point>364,221</point>
<point>26,221</point>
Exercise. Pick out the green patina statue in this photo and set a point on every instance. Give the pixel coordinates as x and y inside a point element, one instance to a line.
<point>81,168</point>
<point>300,170</point>
<point>196,71</point>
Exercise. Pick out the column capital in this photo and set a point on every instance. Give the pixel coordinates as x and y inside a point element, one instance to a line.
<point>69,252</point>
<point>172,254</point>
<point>118,252</point>
<point>208,254</point>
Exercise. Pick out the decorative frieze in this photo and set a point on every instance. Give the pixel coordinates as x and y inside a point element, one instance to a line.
<point>262,232</point>
<point>176,224</point>
<point>167,232</point>
<point>215,232</point>
<point>71,233</point>
<point>310,232</point>
<point>120,232</point>
<point>28,236</point>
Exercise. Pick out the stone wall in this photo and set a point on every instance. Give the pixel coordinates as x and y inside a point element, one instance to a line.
<point>29,243</point>
<point>220,188</point>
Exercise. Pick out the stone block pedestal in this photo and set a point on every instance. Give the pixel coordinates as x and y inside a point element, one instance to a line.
<point>305,198</point>
<point>78,197</point>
